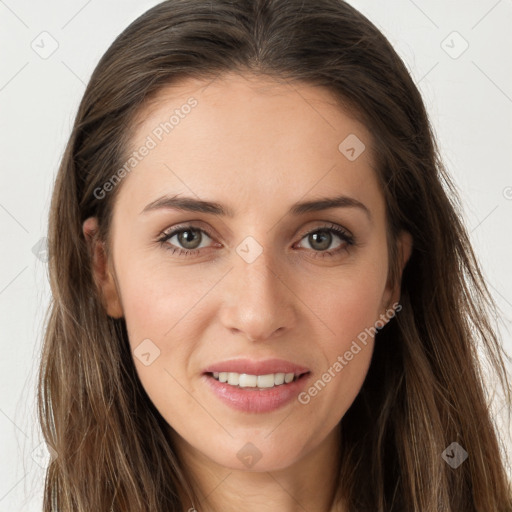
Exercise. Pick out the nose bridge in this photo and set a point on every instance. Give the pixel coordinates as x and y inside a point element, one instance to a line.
<point>259,302</point>
<point>256,275</point>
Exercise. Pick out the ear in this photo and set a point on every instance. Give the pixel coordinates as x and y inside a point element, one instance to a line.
<point>102,274</point>
<point>404,250</point>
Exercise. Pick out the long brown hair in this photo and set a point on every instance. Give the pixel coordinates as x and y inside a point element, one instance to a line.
<point>425,386</point>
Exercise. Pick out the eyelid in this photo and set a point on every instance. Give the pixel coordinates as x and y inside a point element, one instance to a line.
<point>328,226</point>
<point>192,225</point>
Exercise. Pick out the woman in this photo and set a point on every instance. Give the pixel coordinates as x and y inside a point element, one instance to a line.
<point>264,296</point>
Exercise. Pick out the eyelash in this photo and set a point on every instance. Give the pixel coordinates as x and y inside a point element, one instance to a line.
<point>332,228</point>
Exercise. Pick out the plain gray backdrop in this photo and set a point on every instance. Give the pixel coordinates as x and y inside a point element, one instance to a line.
<point>458,52</point>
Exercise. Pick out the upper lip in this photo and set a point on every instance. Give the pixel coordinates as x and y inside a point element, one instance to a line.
<point>253,367</point>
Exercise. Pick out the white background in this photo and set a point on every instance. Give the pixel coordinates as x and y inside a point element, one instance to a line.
<point>469,99</point>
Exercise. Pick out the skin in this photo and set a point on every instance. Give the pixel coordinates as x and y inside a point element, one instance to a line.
<point>256,146</point>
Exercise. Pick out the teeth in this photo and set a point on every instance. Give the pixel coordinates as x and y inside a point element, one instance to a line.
<point>245,380</point>
<point>280,377</point>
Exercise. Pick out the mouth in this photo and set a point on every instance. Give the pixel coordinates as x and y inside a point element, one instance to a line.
<point>256,386</point>
<point>252,381</point>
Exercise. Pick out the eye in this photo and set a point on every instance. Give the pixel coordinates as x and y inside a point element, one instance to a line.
<point>321,239</point>
<point>188,237</point>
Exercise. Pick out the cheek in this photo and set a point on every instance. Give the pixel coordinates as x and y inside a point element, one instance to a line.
<point>157,304</point>
<point>157,299</point>
<point>350,308</point>
<point>349,304</point>
<point>163,329</point>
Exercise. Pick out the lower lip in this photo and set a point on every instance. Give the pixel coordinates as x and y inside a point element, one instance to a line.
<point>256,400</point>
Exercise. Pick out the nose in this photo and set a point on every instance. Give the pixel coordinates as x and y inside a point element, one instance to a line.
<point>259,303</point>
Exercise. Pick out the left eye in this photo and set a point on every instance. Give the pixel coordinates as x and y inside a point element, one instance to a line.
<point>323,238</point>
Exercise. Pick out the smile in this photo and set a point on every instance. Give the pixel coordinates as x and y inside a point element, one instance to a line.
<point>244,380</point>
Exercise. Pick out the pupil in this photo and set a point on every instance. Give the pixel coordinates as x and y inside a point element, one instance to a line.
<point>324,237</point>
<point>188,241</point>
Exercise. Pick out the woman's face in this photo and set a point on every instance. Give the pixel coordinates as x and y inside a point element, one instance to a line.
<point>256,288</point>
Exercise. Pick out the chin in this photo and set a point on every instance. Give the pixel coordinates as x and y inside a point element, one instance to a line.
<point>255,453</point>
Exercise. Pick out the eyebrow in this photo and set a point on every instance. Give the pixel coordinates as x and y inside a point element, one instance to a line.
<point>190,204</point>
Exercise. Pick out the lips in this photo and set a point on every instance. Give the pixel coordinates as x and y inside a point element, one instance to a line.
<point>252,367</point>
<point>288,380</point>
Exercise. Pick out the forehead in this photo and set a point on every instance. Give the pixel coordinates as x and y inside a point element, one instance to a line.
<point>255,136</point>
<point>236,98</point>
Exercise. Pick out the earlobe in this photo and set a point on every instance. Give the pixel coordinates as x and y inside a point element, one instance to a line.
<point>102,274</point>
